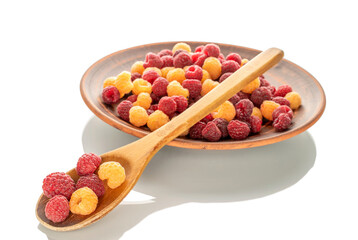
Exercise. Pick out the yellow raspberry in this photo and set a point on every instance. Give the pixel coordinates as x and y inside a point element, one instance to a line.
<point>109,82</point>
<point>177,74</point>
<point>295,100</point>
<point>156,120</point>
<point>137,67</point>
<point>226,111</point>
<point>83,201</point>
<point>207,86</point>
<point>138,116</point>
<point>267,108</point>
<point>165,71</point>
<point>256,112</point>
<point>249,88</point>
<point>213,66</point>
<point>175,88</point>
<point>244,61</point>
<point>206,75</point>
<point>124,83</point>
<point>144,100</point>
<point>153,69</point>
<point>113,172</point>
<point>182,46</point>
<point>140,85</point>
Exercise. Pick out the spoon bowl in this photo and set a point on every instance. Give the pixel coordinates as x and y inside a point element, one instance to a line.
<point>135,156</point>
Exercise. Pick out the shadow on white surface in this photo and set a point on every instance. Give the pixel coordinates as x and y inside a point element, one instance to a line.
<point>176,176</point>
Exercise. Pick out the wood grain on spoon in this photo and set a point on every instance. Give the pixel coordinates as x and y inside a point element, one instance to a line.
<point>135,156</point>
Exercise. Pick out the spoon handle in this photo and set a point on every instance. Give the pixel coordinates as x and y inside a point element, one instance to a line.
<point>207,104</point>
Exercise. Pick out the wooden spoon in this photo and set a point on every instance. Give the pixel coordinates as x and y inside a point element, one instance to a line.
<point>135,156</point>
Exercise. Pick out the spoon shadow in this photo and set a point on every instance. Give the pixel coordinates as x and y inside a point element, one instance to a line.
<point>176,176</point>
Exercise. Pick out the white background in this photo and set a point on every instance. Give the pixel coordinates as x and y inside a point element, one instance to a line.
<point>45,48</point>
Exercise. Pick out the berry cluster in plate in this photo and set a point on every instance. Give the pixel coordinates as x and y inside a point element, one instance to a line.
<point>81,197</point>
<point>168,82</point>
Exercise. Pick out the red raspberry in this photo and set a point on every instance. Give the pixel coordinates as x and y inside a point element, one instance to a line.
<point>196,55</point>
<point>282,109</point>
<point>194,100</point>
<point>150,111</point>
<point>195,131</point>
<point>207,118</point>
<point>58,183</point>
<point>155,98</point>
<point>150,76</point>
<point>173,115</point>
<point>159,86</point>
<point>243,95</point>
<point>255,124</point>
<point>167,61</point>
<point>57,209</point>
<point>229,66</point>
<point>281,101</point>
<point>194,72</point>
<point>282,122</point>
<point>199,49</point>
<point>154,107</point>
<point>211,132</point>
<point>194,87</point>
<point>93,182</point>
<point>87,164</point>
<point>224,76</point>
<point>177,52</point>
<point>282,91</point>
<point>152,60</point>
<point>182,59</point>
<point>135,75</point>
<point>200,60</point>
<point>272,89</point>
<point>259,95</point>
<point>182,103</point>
<point>244,109</point>
<point>123,110</point>
<point>222,123</point>
<point>211,50</point>
<point>264,82</point>
<point>238,130</point>
<point>110,95</point>
<point>132,98</point>
<point>235,99</point>
<point>167,105</point>
<point>221,58</point>
<point>165,52</point>
<point>235,57</point>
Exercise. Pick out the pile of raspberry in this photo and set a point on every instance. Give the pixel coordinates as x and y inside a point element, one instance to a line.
<point>81,197</point>
<point>168,82</point>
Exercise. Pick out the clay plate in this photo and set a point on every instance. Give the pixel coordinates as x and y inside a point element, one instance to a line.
<point>286,72</point>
